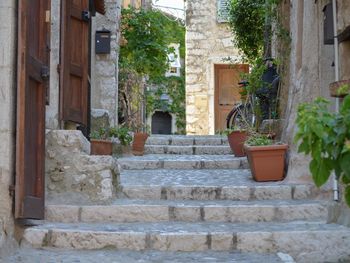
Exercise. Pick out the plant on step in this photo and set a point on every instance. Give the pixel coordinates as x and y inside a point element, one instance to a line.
<point>100,134</point>
<point>123,134</point>
<point>257,139</point>
<point>325,135</point>
<point>266,157</point>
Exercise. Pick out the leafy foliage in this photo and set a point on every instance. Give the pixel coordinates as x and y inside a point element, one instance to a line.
<point>257,139</point>
<point>326,137</point>
<point>123,134</point>
<point>251,23</point>
<point>147,35</point>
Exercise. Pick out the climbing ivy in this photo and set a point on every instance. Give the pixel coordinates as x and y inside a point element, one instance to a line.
<point>146,36</point>
<point>251,23</point>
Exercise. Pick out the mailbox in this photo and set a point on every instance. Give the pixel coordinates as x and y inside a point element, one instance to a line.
<point>103,42</point>
<point>328,25</point>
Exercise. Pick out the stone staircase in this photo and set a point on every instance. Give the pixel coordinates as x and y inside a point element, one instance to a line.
<point>192,201</point>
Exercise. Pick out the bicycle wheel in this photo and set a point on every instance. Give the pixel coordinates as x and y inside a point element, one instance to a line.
<point>243,118</point>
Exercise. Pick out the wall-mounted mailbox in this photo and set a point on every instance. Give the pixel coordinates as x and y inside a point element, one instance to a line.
<point>103,42</point>
<point>328,25</point>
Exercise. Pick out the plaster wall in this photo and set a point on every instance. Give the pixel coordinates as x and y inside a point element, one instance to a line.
<point>52,110</point>
<point>104,67</point>
<point>7,120</point>
<point>207,43</point>
<point>310,72</point>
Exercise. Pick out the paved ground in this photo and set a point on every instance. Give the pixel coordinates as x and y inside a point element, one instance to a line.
<point>108,256</point>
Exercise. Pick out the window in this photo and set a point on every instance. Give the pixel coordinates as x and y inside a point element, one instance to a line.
<point>223,11</point>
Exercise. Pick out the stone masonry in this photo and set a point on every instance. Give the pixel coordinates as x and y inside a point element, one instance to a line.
<point>207,43</point>
<point>201,202</point>
<point>104,71</point>
<point>73,175</point>
<point>7,120</point>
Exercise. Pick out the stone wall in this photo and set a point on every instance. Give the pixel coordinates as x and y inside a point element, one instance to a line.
<point>207,43</point>
<point>104,70</point>
<point>7,120</point>
<point>311,71</point>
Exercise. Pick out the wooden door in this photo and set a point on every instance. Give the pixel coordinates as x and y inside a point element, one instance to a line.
<point>226,91</point>
<point>33,76</point>
<point>74,68</point>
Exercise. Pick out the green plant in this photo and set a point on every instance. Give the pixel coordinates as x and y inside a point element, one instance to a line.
<point>122,133</point>
<point>257,139</point>
<point>325,136</point>
<point>343,89</point>
<point>101,134</point>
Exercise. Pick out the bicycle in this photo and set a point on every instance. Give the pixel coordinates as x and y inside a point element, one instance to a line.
<point>242,115</point>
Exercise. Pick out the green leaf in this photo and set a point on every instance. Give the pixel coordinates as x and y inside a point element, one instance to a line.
<point>345,164</point>
<point>320,170</point>
<point>347,195</point>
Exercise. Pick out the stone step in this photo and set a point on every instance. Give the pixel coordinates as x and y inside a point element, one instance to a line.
<point>27,255</point>
<point>181,140</point>
<point>188,149</point>
<point>206,184</point>
<point>127,211</point>
<point>156,161</point>
<point>304,241</point>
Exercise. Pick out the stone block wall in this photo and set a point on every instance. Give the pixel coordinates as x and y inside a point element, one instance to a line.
<point>104,70</point>
<point>7,120</point>
<point>207,43</point>
<point>344,47</point>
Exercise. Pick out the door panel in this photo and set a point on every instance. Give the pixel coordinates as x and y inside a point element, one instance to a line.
<point>74,61</point>
<point>226,91</point>
<point>33,60</point>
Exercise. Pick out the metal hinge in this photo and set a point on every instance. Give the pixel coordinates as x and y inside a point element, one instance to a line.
<point>86,15</point>
<point>12,190</point>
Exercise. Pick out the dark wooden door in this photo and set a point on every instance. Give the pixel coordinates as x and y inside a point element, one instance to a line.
<point>33,76</point>
<point>226,91</point>
<point>74,61</point>
<point>161,123</point>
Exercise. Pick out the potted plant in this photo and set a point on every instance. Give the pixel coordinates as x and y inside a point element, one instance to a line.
<point>266,158</point>
<point>340,88</point>
<point>100,142</point>
<point>125,139</point>
<point>139,141</point>
<point>325,135</point>
<point>236,138</point>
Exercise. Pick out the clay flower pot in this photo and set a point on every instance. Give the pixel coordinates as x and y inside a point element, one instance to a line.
<point>138,145</point>
<point>236,140</point>
<point>267,163</point>
<point>101,147</point>
<point>337,88</point>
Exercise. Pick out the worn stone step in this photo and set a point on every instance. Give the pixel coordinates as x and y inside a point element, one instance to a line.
<point>125,210</point>
<point>181,140</point>
<point>156,161</point>
<point>188,149</point>
<point>207,184</point>
<point>28,255</point>
<point>304,241</point>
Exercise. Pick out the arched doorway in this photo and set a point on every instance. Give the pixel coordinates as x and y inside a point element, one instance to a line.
<point>161,123</point>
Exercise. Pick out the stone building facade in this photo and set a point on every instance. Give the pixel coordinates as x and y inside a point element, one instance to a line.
<point>311,70</point>
<point>208,43</point>
<point>104,67</point>
<point>103,85</point>
<point>7,119</point>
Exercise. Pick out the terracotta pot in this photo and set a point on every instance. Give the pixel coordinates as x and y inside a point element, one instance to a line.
<point>267,163</point>
<point>236,140</point>
<point>138,145</point>
<point>334,88</point>
<point>101,147</point>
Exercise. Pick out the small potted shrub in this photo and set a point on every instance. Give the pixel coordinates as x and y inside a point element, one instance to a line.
<point>100,142</point>
<point>325,135</point>
<point>266,158</point>
<point>236,139</point>
<point>139,141</point>
<point>340,88</point>
<point>125,139</point>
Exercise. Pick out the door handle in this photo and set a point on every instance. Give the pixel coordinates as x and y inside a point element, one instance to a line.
<point>45,72</point>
